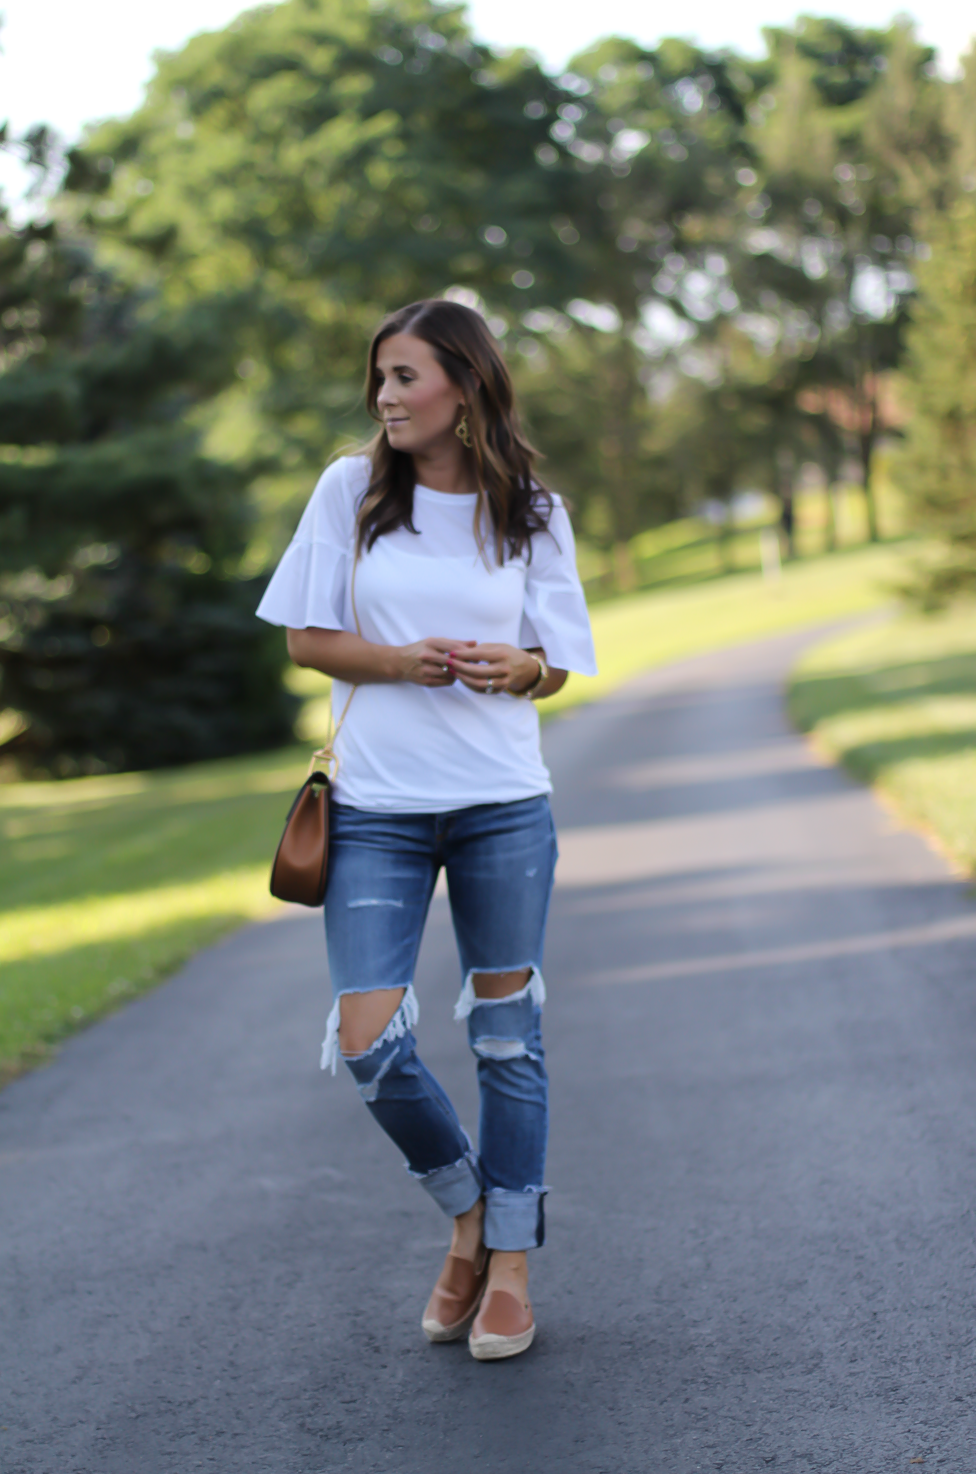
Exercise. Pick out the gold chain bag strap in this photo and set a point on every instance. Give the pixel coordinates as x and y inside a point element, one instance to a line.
<point>298,872</point>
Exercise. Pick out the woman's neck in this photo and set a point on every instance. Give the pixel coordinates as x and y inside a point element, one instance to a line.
<point>444,467</point>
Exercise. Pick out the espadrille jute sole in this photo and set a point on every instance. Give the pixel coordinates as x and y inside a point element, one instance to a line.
<point>434,1331</point>
<point>494,1348</point>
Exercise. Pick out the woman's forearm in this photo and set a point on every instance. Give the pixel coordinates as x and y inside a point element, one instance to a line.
<point>555,681</point>
<point>346,656</point>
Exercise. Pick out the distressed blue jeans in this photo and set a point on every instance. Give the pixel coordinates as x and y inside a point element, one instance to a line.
<point>499,860</point>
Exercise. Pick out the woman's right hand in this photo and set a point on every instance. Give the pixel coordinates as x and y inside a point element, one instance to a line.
<point>425,662</point>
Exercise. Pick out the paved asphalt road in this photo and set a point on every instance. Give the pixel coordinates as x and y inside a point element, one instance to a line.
<point>762,1035</point>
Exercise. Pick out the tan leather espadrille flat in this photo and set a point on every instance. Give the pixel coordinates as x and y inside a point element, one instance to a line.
<point>504,1326</point>
<point>455,1298</point>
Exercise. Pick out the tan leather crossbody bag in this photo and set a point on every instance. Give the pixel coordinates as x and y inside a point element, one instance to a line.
<point>301,860</point>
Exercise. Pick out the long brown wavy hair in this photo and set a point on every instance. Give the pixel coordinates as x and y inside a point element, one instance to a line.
<point>512,502</point>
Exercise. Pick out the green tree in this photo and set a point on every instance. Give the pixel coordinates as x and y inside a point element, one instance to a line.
<point>336,160</point>
<point>752,226</point>
<point>657,133</point>
<point>937,465</point>
<point>652,133</point>
<point>339,158</point>
<point>849,148</point>
<point>605,445</point>
<point>126,639</point>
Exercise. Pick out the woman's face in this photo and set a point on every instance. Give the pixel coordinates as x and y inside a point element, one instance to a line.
<point>418,402</point>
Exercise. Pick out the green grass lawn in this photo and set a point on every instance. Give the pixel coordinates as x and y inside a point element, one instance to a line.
<point>897,705</point>
<point>109,883</point>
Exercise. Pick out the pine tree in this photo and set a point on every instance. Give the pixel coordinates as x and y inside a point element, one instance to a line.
<point>937,466</point>
<point>126,637</point>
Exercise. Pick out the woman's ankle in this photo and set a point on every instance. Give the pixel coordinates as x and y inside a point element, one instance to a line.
<point>468,1227</point>
<point>509,1271</point>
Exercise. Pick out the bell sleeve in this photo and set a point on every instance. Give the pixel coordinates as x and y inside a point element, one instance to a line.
<point>555,616</point>
<point>309,587</point>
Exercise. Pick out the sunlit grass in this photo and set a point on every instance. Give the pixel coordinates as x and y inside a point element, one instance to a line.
<point>109,883</point>
<point>64,965</point>
<point>49,931</point>
<point>897,705</point>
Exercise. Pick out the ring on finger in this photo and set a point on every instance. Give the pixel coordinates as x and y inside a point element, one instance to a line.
<point>489,689</point>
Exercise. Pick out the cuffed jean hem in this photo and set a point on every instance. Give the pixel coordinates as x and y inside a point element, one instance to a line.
<point>454,1189</point>
<point>514,1220</point>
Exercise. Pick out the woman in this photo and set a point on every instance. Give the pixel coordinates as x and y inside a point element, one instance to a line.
<point>434,579</point>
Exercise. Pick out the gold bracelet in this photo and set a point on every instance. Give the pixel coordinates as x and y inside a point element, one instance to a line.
<point>543,675</point>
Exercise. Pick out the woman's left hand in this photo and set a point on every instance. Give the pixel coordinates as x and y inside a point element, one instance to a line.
<point>493,668</point>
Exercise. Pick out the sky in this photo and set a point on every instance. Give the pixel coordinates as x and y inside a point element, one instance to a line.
<point>72,62</point>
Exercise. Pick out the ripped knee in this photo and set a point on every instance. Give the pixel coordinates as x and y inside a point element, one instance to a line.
<point>371,1066</point>
<point>372,1032</point>
<point>365,1017</point>
<point>500,984</point>
<point>504,1025</point>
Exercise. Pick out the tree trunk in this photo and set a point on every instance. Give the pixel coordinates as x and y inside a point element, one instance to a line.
<point>867,404</point>
<point>867,439</point>
<point>624,568</point>
<point>783,472</point>
<point>618,443</point>
<point>831,519</point>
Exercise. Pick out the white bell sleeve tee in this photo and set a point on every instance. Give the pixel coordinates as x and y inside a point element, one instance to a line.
<point>413,749</point>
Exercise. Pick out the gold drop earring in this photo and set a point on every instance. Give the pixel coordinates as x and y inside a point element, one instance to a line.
<point>463,433</point>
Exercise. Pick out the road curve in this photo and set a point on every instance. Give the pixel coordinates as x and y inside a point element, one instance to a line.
<point>761,1031</point>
